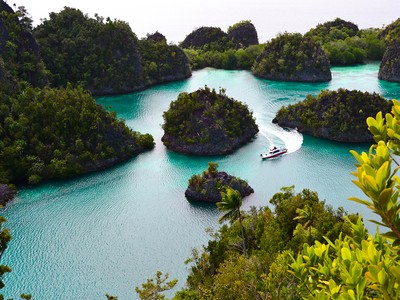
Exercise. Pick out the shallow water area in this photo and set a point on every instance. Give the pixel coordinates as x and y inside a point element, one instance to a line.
<point>108,231</point>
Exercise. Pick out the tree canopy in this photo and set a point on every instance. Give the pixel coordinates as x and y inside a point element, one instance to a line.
<point>205,122</point>
<point>336,115</point>
<point>293,57</point>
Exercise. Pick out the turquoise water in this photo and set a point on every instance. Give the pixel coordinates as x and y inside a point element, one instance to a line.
<point>109,231</point>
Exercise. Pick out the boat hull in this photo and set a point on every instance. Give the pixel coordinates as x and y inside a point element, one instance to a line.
<point>273,155</point>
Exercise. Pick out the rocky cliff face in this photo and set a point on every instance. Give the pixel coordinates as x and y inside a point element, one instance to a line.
<point>292,57</point>
<point>389,69</point>
<point>157,37</point>
<point>244,34</point>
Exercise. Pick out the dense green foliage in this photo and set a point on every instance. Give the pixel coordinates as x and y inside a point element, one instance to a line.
<point>336,115</point>
<point>355,267</point>
<point>101,56</point>
<point>162,62</point>
<point>105,56</point>
<point>47,133</point>
<point>20,61</point>
<point>219,271</point>
<point>232,59</point>
<point>292,57</point>
<point>211,47</point>
<point>208,39</point>
<point>209,185</point>
<point>53,133</point>
<point>345,44</point>
<point>207,122</point>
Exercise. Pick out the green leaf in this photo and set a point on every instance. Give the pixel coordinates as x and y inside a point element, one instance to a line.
<point>346,254</point>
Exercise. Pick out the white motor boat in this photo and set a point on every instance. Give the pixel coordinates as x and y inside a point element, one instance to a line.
<point>274,152</point>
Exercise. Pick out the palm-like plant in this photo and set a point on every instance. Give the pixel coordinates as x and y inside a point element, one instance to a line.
<point>230,204</point>
<point>306,214</point>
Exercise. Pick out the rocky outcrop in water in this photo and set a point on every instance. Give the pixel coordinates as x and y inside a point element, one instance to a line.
<point>292,57</point>
<point>243,33</point>
<point>207,123</point>
<point>334,115</point>
<point>7,193</point>
<point>208,186</point>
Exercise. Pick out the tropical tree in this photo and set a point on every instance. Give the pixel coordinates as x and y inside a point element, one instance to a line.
<point>230,205</point>
<point>152,289</point>
<point>306,215</point>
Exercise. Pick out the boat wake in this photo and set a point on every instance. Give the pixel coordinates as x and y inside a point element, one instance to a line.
<point>291,139</point>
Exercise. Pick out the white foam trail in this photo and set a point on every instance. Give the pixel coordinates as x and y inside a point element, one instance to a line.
<point>291,138</point>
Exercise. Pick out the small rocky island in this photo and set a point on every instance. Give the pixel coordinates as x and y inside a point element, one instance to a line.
<point>205,122</point>
<point>293,57</point>
<point>334,115</point>
<point>207,187</point>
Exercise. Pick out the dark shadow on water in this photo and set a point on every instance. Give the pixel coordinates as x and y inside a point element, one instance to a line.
<point>81,180</point>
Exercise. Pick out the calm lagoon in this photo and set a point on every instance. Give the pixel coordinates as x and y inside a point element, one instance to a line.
<point>108,231</point>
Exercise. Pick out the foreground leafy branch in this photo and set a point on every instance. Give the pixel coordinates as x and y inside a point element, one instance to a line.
<point>361,266</point>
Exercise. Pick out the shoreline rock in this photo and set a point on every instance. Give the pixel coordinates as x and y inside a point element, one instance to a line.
<point>7,193</point>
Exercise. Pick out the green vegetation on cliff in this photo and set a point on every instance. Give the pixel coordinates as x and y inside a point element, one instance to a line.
<point>220,271</point>
<point>105,56</point>
<point>293,57</point>
<point>336,115</point>
<point>51,133</point>
<point>54,133</point>
<point>205,122</point>
<point>232,59</point>
<point>20,61</point>
<point>207,39</point>
<point>390,66</point>
<point>211,47</point>
<point>162,62</point>
<point>100,55</point>
<point>345,44</point>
